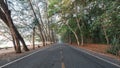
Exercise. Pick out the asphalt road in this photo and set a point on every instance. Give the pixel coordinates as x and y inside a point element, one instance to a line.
<point>59,56</point>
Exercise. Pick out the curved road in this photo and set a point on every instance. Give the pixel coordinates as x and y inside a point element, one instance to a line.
<point>59,56</point>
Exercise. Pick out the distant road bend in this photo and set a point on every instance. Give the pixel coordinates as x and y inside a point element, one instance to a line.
<point>59,56</point>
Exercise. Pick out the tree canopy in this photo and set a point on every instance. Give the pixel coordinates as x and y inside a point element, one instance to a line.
<point>77,21</point>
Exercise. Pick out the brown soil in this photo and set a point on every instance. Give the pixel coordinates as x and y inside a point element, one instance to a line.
<point>99,48</point>
<point>10,54</point>
<point>96,47</point>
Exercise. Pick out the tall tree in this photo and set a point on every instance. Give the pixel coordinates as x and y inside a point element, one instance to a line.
<point>38,23</point>
<point>5,15</point>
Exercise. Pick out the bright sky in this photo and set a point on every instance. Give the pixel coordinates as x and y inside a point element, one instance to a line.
<point>26,18</point>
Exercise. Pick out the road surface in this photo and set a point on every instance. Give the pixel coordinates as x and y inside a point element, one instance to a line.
<point>59,56</point>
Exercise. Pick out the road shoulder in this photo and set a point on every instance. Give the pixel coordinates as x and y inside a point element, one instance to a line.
<point>11,56</point>
<point>99,56</point>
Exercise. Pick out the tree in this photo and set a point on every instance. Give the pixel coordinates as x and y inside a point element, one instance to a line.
<point>5,15</point>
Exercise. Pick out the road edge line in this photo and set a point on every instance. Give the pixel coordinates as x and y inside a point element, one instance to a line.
<point>21,58</point>
<point>98,57</point>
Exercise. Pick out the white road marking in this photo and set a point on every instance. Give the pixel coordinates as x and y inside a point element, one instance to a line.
<point>21,58</point>
<point>98,57</point>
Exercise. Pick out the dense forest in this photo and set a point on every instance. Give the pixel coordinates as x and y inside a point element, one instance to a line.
<point>76,21</point>
<point>91,21</point>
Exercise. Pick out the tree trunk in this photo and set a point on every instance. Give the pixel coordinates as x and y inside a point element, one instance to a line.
<point>78,21</point>
<point>42,37</point>
<point>81,35</point>
<point>53,37</point>
<point>105,34</point>
<point>14,43</point>
<point>21,39</point>
<point>69,36</point>
<point>78,43</point>
<point>39,25</point>
<point>16,39</point>
<point>33,38</point>
<point>5,15</point>
<point>48,24</point>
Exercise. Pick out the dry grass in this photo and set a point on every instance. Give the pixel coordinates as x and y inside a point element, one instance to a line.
<point>99,48</point>
<point>10,53</point>
<point>96,47</point>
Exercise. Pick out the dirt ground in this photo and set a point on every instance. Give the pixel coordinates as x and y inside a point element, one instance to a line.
<point>99,48</point>
<point>7,54</point>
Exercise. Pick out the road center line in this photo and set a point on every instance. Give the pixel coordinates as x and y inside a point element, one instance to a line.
<point>63,65</point>
<point>61,53</point>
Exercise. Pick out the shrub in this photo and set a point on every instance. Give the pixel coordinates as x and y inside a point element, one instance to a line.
<point>115,47</point>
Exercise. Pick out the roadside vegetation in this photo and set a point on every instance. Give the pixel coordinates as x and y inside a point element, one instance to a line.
<point>76,21</point>
<point>91,21</point>
<point>25,20</point>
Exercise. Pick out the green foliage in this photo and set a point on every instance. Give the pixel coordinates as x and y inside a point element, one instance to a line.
<point>53,7</point>
<point>115,46</point>
<point>35,22</point>
<point>99,20</point>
